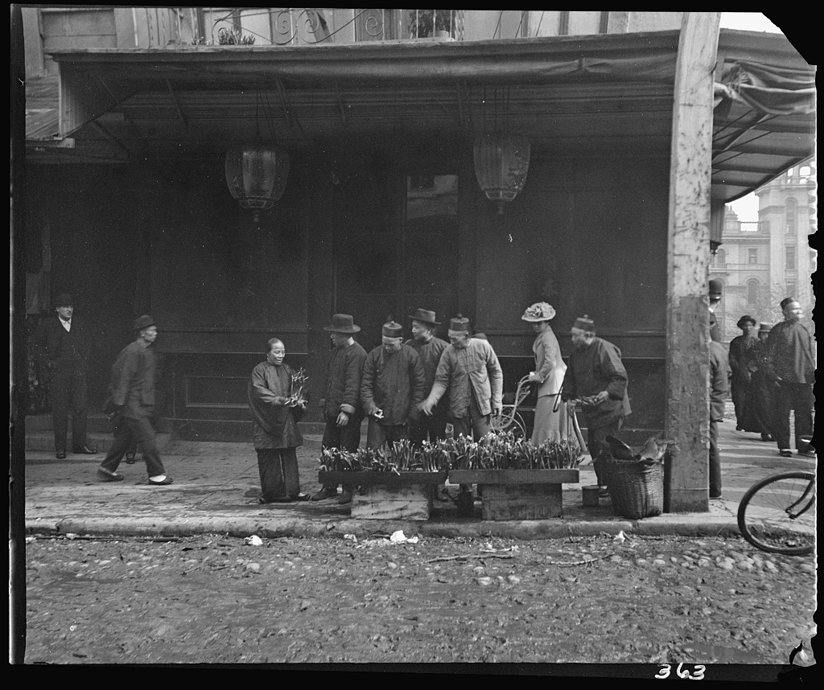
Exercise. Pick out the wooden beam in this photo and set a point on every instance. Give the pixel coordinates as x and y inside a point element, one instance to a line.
<point>688,258</point>
<point>177,105</point>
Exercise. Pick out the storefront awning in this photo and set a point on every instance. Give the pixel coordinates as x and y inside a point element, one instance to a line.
<point>574,95</point>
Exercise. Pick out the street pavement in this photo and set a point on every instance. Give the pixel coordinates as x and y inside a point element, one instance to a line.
<point>216,487</point>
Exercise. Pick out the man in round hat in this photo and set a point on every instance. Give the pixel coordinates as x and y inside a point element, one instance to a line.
<point>471,374</point>
<point>743,360</point>
<point>597,380</point>
<point>429,348</point>
<point>132,403</point>
<point>392,388</point>
<point>64,346</point>
<point>790,363</point>
<point>341,407</point>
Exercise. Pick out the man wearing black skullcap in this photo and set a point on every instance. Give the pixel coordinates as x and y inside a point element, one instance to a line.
<point>596,377</point>
<point>64,345</point>
<point>132,403</point>
<point>790,364</point>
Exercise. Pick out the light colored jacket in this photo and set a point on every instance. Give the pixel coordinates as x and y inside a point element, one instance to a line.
<point>475,365</point>
<point>549,365</point>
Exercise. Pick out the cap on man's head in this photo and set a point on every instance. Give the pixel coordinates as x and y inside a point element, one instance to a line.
<point>142,322</point>
<point>784,302</point>
<point>584,323</point>
<point>715,288</point>
<point>459,323</point>
<point>745,319</point>
<point>391,329</point>
<point>765,328</point>
<point>64,299</point>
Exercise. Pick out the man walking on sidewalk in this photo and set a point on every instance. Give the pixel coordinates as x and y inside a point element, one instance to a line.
<point>790,363</point>
<point>132,401</point>
<point>719,388</point>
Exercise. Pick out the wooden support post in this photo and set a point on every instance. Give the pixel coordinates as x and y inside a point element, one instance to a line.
<point>688,255</point>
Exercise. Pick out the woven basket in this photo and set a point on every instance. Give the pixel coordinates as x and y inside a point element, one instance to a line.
<point>636,487</point>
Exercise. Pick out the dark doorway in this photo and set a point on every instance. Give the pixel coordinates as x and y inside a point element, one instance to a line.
<point>396,249</point>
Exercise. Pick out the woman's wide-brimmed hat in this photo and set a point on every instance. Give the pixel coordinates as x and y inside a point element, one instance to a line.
<point>342,323</point>
<point>744,319</point>
<point>424,316</point>
<point>540,311</point>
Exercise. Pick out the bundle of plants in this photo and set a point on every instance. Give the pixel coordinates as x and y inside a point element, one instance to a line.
<point>504,450</point>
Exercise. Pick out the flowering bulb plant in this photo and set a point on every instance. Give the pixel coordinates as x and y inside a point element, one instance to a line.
<point>299,381</point>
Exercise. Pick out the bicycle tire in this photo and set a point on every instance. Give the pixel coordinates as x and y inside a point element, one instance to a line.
<point>762,517</point>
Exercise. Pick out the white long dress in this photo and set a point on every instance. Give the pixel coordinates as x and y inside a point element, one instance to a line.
<point>551,419</point>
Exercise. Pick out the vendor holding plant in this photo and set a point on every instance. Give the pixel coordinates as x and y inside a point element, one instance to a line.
<point>276,406</point>
<point>551,418</point>
<point>596,381</point>
<point>392,387</point>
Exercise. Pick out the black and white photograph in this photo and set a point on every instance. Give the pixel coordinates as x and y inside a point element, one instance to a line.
<point>414,342</point>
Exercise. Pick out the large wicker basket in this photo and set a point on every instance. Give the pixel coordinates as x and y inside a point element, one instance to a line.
<point>636,487</point>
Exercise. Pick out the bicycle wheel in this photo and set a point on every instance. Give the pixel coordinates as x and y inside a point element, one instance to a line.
<point>777,514</point>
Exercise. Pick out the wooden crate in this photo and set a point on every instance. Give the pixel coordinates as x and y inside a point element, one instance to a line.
<point>388,496</point>
<point>411,502</point>
<point>518,494</point>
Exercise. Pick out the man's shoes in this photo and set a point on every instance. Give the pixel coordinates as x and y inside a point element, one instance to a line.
<point>809,453</point>
<point>324,493</point>
<point>85,450</point>
<point>105,475</point>
<point>603,492</point>
<point>163,482</point>
<point>767,437</point>
<point>130,458</point>
<point>345,497</point>
<point>716,498</point>
<point>300,497</point>
<point>61,454</point>
<point>785,453</point>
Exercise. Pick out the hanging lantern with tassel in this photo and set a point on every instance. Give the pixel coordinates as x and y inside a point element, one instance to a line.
<point>256,175</point>
<point>501,165</point>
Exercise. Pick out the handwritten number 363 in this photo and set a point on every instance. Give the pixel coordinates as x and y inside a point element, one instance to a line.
<point>666,669</point>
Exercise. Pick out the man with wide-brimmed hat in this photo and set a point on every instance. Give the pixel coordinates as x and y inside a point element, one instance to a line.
<point>429,348</point>
<point>64,346</point>
<point>790,365</point>
<point>743,361</point>
<point>392,388</point>
<point>131,403</point>
<point>341,407</point>
<point>596,380</point>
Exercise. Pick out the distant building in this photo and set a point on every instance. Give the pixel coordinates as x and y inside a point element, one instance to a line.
<point>762,262</point>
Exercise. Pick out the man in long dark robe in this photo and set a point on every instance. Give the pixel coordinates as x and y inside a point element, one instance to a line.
<point>596,377</point>
<point>742,363</point>
<point>392,388</point>
<point>791,366</point>
<point>275,434</point>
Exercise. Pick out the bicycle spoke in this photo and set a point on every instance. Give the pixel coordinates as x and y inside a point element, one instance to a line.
<point>778,514</point>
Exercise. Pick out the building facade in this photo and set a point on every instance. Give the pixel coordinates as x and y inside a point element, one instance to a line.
<point>380,112</point>
<point>762,262</point>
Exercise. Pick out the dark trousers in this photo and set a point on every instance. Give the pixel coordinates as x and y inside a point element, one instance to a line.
<point>345,437</point>
<point>278,468</point>
<point>595,439</point>
<point>474,423</point>
<point>377,434</point>
<point>68,394</point>
<point>715,461</point>
<point>428,428</point>
<point>798,398</point>
<point>128,432</point>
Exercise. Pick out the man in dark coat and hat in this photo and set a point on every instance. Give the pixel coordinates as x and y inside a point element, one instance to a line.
<point>743,360</point>
<point>429,348</point>
<point>64,345</point>
<point>340,405</point>
<point>597,380</point>
<point>131,402</point>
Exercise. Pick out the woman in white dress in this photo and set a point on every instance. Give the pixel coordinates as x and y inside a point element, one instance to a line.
<point>551,419</point>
